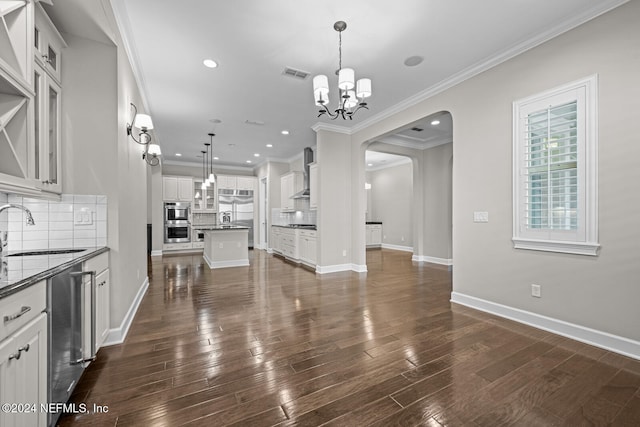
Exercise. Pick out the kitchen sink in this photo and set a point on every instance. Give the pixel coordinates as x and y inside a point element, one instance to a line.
<point>46,252</point>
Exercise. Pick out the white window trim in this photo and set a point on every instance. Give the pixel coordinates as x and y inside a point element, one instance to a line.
<point>587,243</point>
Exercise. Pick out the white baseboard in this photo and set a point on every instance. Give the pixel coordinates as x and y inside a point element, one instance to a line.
<point>117,335</point>
<point>359,268</point>
<point>332,268</point>
<point>433,260</point>
<point>605,340</point>
<point>341,267</point>
<point>269,250</point>
<point>225,264</point>
<point>397,247</point>
<point>156,252</point>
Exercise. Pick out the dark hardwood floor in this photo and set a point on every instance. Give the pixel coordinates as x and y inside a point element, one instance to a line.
<point>276,344</point>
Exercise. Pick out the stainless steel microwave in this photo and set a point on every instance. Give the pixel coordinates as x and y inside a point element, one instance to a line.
<point>176,211</point>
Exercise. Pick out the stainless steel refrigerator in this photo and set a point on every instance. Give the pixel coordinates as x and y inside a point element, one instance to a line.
<point>235,207</point>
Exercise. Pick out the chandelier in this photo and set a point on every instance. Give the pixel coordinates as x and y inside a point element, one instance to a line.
<point>350,100</point>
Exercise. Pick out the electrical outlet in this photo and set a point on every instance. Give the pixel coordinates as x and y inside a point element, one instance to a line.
<point>481,217</point>
<point>536,291</point>
<point>344,252</point>
<point>402,239</point>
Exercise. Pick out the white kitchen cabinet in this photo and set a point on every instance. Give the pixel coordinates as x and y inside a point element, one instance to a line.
<point>23,355</point>
<point>103,286</point>
<point>307,243</point>
<point>373,236</point>
<point>245,183</point>
<point>23,373</point>
<point>289,243</point>
<point>226,182</point>
<point>290,184</point>
<point>17,167</point>
<point>313,186</point>
<point>48,130</point>
<point>48,44</point>
<point>275,239</point>
<point>177,189</point>
<point>100,265</point>
<point>204,200</point>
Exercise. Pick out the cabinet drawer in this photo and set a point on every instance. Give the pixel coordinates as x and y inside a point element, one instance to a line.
<point>18,309</point>
<point>308,233</point>
<point>98,263</point>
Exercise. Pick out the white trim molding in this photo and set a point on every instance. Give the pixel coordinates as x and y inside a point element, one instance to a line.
<point>397,247</point>
<point>605,340</point>
<point>432,260</point>
<point>156,252</point>
<point>359,268</point>
<point>117,335</point>
<point>332,268</point>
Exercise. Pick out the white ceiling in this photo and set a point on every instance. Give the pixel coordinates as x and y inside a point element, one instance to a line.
<point>254,40</point>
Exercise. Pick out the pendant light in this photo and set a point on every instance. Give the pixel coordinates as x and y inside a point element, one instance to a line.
<point>203,186</point>
<point>207,182</point>
<point>212,177</point>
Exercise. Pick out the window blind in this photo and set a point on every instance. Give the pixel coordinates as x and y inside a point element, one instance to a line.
<point>551,168</point>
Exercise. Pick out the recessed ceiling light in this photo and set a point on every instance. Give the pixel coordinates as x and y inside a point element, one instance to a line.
<point>285,132</point>
<point>248,161</point>
<point>216,158</point>
<point>210,63</point>
<point>412,61</point>
<point>178,154</point>
<point>256,155</point>
<point>369,164</point>
<point>435,122</point>
<point>269,145</point>
<point>215,121</point>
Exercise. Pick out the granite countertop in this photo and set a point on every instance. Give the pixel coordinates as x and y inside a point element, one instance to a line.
<point>373,222</point>
<point>301,226</point>
<point>221,227</point>
<point>20,272</point>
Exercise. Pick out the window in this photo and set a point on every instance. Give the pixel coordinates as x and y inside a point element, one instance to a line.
<point>555,176</point>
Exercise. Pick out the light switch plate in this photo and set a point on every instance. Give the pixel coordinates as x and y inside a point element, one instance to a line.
<point>481,217</point>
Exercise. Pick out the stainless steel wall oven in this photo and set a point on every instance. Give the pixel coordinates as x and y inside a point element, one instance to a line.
<point>177,227</point>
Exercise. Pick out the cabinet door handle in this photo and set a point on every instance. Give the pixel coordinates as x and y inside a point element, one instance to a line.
<point>23,310</point>
<point>17,355</point>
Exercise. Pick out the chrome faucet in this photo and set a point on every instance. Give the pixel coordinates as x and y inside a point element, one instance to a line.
<point>30,221</point>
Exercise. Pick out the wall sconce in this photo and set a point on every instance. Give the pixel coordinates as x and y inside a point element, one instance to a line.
<point>142,122</point>
<point>152,155</point>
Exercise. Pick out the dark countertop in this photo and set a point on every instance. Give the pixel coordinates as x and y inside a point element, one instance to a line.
<point>298,226</point>
<point>20,272</point>
<point>373,222</point>
<point>222,228</point>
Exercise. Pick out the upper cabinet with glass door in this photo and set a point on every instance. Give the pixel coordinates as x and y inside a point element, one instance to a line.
<point>48,45</point>
<point>203,200</point>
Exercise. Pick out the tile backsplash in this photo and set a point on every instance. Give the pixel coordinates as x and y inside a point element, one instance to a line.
<point>76,221</point>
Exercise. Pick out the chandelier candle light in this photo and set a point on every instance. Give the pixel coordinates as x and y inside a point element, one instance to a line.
<point>350,100</point>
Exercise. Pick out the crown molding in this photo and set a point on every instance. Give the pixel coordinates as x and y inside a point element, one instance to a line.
<point>331,128</point>
<point>216,167</point>
<point>414,145</point>
<point>484,65</point>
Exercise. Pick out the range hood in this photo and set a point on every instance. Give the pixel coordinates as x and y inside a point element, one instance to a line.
<point>307,159</point>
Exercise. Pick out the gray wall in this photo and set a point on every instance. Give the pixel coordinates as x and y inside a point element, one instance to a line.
<point>98,157</point>
<point>391,202</point>
<point>595,292</point>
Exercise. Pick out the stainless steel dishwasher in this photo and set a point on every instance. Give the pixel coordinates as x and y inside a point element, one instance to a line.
<point>71,307</point>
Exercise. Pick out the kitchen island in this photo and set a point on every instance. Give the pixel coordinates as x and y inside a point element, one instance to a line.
<point>226,246</point>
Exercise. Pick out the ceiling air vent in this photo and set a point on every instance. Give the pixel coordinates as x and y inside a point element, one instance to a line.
<point>416,129</point>
<point>254,122</point>
<point>296,74</point>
